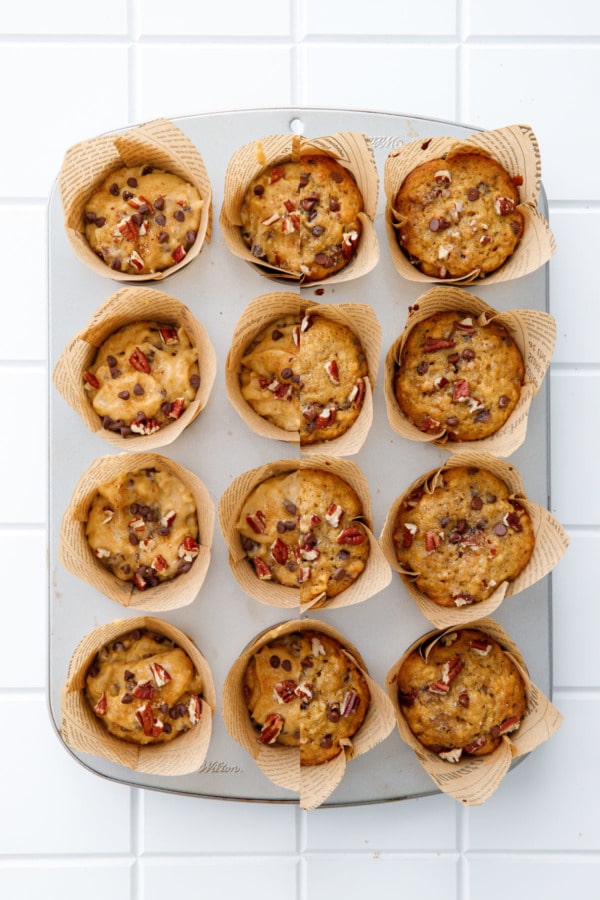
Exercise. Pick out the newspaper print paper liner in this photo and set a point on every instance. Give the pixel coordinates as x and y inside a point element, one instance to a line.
<point>534,333</point>
<point>127,306</point>
<point>359,318</point>
<point>78,559</point>
<point>353,151</point>
<point>516,148</point>
<point>82,730</point>
<point>551,542</point>
<point>159,143</point>
<point>281,764</point>
<point>376,574</point>
<point>473,780</point>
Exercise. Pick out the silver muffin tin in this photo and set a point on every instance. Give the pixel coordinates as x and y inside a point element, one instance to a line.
<point>217,446</point>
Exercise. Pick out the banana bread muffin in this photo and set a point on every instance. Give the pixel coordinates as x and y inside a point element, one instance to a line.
<point>461,695</point>
<point>144,688</point>
<point>302,217</point>
<point>302,529</point>
<point>307,374</point>
<point>304,690</point>
<point>458,377</point>
<point>143,377</point>
<point>460,536</point>
<point>142,220</point>
<point>143,527</point>
<point>459,215</point>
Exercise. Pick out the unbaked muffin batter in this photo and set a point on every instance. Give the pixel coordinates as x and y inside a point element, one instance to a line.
<point>144,688</point>
<point>143,377</point>
<point>142,220</point>
<point>143,527</point>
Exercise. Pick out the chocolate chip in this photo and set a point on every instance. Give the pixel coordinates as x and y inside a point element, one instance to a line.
<point>274,661</point>
<point>190,237</point>
<point>159,203</point>
<point>163,237</point>
<point>468,353</point>
<point>338,177</point>
<point>476,503</point>
<point>127,698</point>
<point>317,230</point>
<point>132,182</point>
<point>286,665</point>
<point>334,205</point>
<point>326,742</point>
<point>195,381</point>
<point>434,225</point>
<point>138,390</point>
<point>322,259</point>
<point>160,219</point>
<point>114,189</point>
<point>123,395</point>
<point>179,215</point>
<point>503,401</point>
<point>115,264</point>
<point>259,190</point>
<point>483,416</point>
<point>500,529</point>
<point>276,335</point>
<point>472,193</point>
<point>287,372</point>
<point>423,367</point>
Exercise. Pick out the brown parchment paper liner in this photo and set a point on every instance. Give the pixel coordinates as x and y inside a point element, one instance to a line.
<point>376,574</point>
<point>158,143</point>
<point>551,542</point>
<point>282,764</point>
<point>82,730</point>
<point>77,558</point>
<point>474,779</point>
<point>352,150</point>
<point>266,308</point>
<point>127,306</point>
<point>534,333</point>
<point>516,148</point>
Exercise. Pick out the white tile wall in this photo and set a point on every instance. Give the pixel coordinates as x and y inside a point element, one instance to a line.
<point>71,70</point>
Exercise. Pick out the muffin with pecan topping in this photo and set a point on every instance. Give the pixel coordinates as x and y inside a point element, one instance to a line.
<point>143,377</point>
<point>303,529</point>
<point>306,373</point>
<point>459,215</point>
<point>142,220</point>
<point>460,535</point>
<point>458,376</point>
<point>460,694</point>
<point>304,690</point>
<point>143,527</point>
<point>302,217</point>
<point>144,688</point>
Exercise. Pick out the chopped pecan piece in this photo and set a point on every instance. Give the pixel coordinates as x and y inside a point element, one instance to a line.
<point>272,728</point>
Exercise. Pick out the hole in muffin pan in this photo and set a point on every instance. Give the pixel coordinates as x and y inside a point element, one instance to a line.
<point>296,125</point>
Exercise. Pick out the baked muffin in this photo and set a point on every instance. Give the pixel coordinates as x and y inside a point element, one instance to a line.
<point>302,529</point>
<point>142,220</point>
<point>304,690</point>
<point>459,536</point>
<point>144,688</point>
<point>457,376</point>
<point>306,374</point>
<point>462,695</point>
<point>302,217</point>
<point>459,215</point>
<point>143,527</point>
<point>143,377</point>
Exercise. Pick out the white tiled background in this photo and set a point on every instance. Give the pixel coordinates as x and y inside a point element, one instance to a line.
<point>70,70</point>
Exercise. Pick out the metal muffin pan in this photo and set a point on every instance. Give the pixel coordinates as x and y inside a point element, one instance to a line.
<point>217,446</point>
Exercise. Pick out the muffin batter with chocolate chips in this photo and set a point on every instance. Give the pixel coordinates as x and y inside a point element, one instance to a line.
<point>460,536</point>
<point>144,688</point>
<point>302,529</point>
<point>143,377</point>
<point>302,217</point>
<point>306,373</point>
<point>303,690</point>
<point>142,220</point>
<point>461,695</point>
<point>458,377</point>
<point>458,216</point>
<point>143,527</point>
